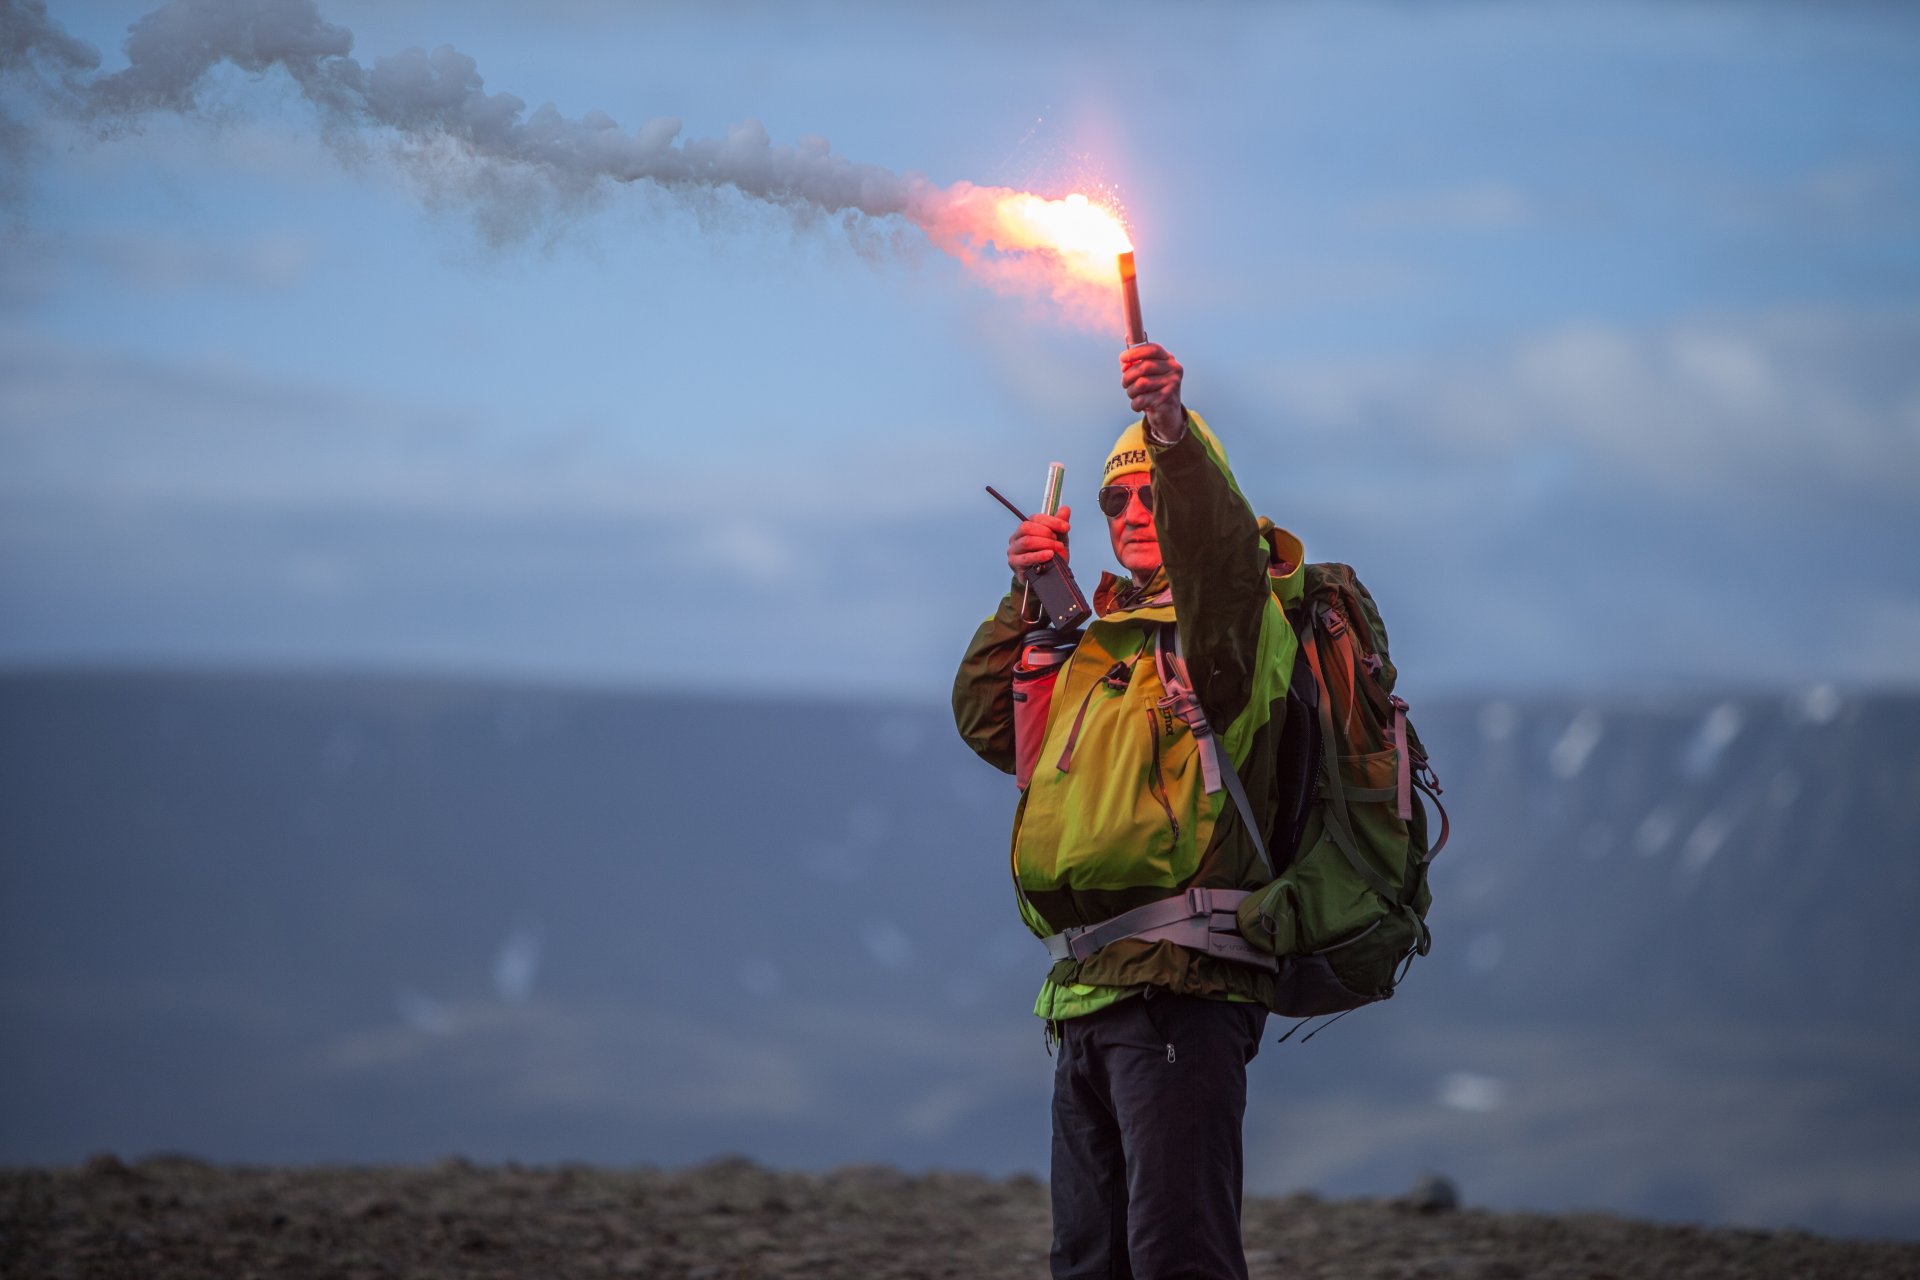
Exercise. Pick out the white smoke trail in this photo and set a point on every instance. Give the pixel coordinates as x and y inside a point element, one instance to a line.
<point>515,168</point>
<point>34,49</point>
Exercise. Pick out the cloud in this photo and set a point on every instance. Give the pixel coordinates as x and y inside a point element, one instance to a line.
<point>750,550</point>
<point>1478,206</point>
<point>1651,504</point>
<point>1868,192</point>
<point>1865,188</point>
<point>1881,646</point>
<point>211,512</point>
<point>82,424</point>
<point>78,423</point>
<point>158,262</point>
<point>1823,404</point>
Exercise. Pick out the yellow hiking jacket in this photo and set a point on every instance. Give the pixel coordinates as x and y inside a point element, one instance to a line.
<point>1117,814</point>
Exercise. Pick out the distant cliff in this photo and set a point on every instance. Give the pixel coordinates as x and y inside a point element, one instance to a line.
<point>290,918</point>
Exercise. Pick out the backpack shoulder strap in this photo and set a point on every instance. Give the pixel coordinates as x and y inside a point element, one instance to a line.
<point>1216,767</point>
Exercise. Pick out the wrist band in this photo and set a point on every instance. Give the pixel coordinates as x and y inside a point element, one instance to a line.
<point>1154,436</point>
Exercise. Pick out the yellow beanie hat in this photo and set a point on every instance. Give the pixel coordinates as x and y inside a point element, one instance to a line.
<point>1128,455</point>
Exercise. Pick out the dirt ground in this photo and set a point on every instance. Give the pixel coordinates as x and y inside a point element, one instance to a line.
<point>732,1220</point>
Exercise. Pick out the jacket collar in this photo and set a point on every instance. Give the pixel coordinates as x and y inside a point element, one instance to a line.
<point>1119,599</point>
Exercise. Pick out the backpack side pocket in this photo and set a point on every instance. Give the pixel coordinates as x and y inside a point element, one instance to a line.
<point>1043,654</point>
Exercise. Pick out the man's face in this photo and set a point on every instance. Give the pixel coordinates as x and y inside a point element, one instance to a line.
<point>1135,544</point>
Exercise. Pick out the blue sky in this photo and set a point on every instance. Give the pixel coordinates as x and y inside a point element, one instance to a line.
<point>1588,333</point>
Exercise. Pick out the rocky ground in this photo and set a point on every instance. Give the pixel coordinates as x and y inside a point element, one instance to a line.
<point>732,1220</point>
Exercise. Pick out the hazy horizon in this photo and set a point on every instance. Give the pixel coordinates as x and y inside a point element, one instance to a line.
<point>546,924</point>
<point>1626,692</point>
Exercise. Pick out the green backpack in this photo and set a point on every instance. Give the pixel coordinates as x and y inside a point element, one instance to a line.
<point>1347,910</point>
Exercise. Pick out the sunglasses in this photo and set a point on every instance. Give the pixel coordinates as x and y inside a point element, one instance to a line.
<point>1114,498</point>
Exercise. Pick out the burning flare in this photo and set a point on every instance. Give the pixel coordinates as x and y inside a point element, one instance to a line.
<point>1085,237</point>
<point>1066,249</point>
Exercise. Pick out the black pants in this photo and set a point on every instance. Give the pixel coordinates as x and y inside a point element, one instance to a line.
<point>1148,1097</point>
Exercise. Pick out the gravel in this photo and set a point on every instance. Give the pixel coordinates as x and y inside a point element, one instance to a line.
<point>176,1216</point>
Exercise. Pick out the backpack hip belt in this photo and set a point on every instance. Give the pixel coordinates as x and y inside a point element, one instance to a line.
<point>1200,919</point>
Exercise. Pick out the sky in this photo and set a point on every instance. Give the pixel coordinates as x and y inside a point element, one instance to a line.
<point>1589,334</point>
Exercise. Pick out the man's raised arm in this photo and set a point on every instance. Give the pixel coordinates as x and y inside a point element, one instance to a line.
<point>1209,537</point>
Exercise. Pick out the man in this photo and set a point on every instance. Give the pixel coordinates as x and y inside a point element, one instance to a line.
<point>1154,1034</point>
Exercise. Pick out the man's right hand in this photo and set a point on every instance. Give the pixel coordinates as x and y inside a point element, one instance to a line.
<point>1037,540</point>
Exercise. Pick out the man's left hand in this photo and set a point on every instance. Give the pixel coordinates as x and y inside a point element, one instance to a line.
<point>1151,378</point>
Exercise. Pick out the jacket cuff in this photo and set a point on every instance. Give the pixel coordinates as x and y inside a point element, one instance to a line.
<point>1178,436</point>
<point>1179,455</point>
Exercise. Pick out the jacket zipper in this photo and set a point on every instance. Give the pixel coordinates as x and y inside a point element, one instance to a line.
<point>1156,785</point>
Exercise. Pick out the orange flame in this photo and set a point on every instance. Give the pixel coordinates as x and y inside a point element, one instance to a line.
<point>1087,238</point>
<point>1067,249</point>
